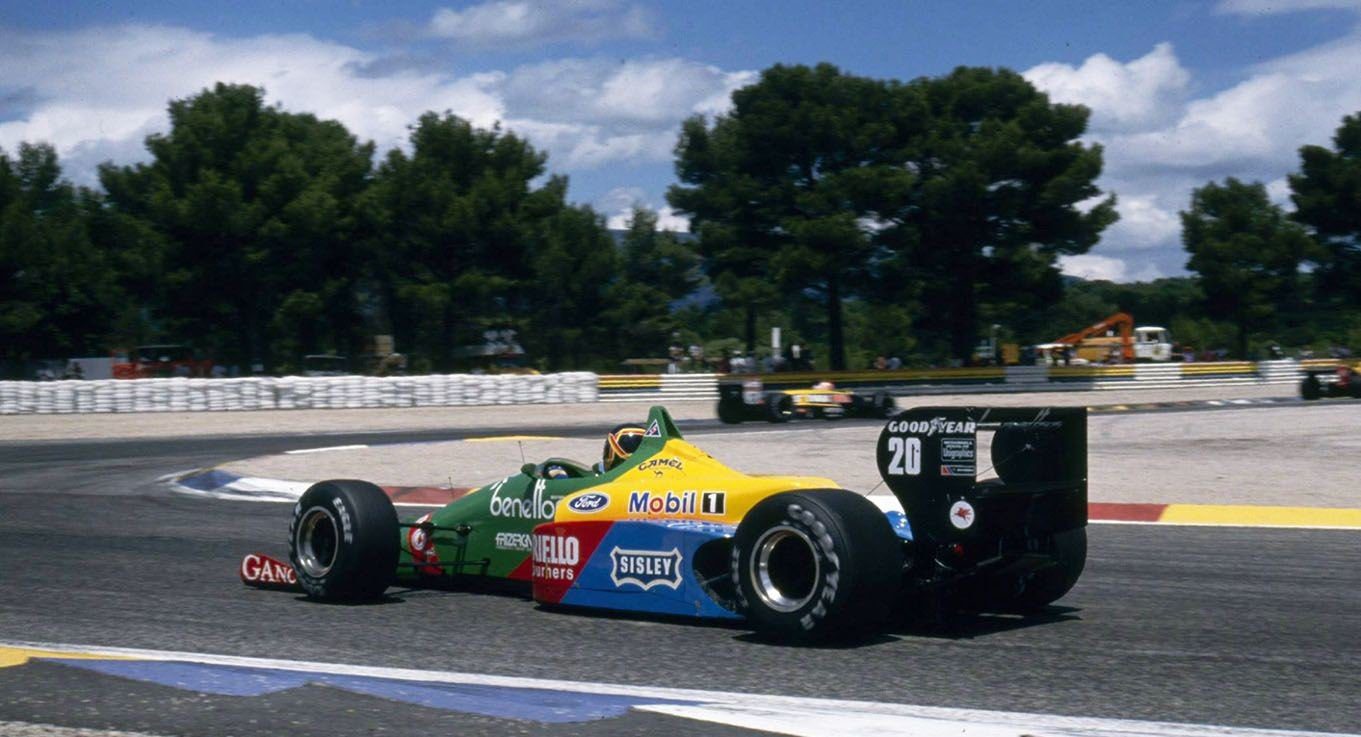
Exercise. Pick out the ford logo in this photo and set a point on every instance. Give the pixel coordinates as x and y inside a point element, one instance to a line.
<point>588,503</point>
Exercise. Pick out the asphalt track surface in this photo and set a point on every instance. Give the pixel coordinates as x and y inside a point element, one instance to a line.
<point>1240,627</point>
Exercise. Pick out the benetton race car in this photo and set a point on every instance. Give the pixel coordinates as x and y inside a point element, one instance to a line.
<point>1341,381</point>
<point>672,531</point>
<point>750,400</point>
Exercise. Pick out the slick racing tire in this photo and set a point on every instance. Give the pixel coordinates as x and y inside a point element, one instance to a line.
<point>779,407</point>
<point>883,405</point>
<point>1050,584</point>
<point>816,565</point>
<point>343,541</point>
<point>1310,388</point>
<point>731,412</point>
<point>1022,454</point>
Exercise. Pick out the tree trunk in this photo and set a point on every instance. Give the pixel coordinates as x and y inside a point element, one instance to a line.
<point>751,329</point>
<point>836,340</point>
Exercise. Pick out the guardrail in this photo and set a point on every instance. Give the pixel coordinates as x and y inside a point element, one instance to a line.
<point>292,392</point>
<point>972,379</point>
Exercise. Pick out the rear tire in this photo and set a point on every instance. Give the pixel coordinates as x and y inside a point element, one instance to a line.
<point>1050,584</point>
<point>1310,388</point>
<point>814,565</point>
<point>343,541</point>
<point>730,412</point>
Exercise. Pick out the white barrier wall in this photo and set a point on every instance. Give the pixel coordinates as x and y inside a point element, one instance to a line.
<point>292,392</point>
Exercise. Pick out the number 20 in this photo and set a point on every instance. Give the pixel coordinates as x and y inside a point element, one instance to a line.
<point>907,456</point>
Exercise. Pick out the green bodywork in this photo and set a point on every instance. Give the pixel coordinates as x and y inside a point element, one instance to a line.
<point>487,532</point>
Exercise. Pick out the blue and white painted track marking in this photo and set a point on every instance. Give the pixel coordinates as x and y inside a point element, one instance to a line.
<point>552,701</point>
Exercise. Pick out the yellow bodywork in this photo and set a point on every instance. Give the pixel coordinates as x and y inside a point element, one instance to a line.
<point>680,481</point>
<point>818,397</point>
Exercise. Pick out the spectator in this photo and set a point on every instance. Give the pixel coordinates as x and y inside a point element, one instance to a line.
<point>894,363</point>
<point>880,363</point>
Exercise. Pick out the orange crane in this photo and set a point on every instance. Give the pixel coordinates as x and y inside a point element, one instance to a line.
<point>1099,336</point>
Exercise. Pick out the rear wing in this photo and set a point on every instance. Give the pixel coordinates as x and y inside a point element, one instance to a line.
<point>931,459</point>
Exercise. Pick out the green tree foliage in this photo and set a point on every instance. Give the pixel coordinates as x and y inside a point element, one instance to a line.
<point>657,269</point>
<point>776,189</point>
<point>960,192</point>
<point>574,262</point>
<point>1327,196</point>
<point>453,231</point>
<point>57,290</point>
<point>1246,254</point>
<point>998,179</point>
<point>255,206</point>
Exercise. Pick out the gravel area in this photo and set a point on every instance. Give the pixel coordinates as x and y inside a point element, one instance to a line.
<point>1294,455</point>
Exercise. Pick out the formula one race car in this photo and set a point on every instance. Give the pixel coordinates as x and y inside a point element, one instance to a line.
<point>750,400</point>
<point>1341,381</point>
<point>672,531</point>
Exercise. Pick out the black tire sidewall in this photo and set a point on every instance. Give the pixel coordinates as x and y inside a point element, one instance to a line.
<point>367,540</point>
<point>779,407</point>
<point>729,412</point>
<point>1051,584</point>
<point>859,558</point>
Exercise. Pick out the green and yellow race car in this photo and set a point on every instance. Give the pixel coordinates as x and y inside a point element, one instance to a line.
<point>750,400</point>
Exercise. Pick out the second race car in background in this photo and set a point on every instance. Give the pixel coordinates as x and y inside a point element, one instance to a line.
<point>1339,381</point>
<point>750,400</point>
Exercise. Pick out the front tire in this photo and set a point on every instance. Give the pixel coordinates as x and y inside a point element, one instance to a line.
<point>812,565</point>
<point>343,541</point>
<point>779,407</point>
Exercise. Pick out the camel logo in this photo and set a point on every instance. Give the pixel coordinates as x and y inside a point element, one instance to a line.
<point>645,568</point>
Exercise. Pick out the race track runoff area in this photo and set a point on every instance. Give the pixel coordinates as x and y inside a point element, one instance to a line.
<point>121,613</point>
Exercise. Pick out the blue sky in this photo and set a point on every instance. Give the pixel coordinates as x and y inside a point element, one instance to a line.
<point>1181,92</point>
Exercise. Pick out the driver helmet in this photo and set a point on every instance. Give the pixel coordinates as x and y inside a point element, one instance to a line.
<point>824,385</point>
<point>620,444</point>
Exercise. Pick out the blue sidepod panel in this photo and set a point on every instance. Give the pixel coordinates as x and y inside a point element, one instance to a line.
<point>648,566</point>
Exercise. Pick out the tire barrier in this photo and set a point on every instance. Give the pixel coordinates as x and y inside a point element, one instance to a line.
<point>345,392</point>
<point>292,392</point>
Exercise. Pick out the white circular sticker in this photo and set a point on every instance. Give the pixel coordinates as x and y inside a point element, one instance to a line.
<point>961,515</point>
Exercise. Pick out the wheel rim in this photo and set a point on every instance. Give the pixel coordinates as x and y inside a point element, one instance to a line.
<point>785,568</point>
<point>317,541</point>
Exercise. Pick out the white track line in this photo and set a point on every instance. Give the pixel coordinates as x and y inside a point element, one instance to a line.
<point>327,449</point>
<point>780,714</point>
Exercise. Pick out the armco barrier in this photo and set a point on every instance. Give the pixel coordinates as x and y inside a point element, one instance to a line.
<point>292,392</point>
<point>629,388</point>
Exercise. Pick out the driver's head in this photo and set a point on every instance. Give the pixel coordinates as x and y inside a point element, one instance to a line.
<point>620,444</point>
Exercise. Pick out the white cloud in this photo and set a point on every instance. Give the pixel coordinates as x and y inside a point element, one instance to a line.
<point>1279,7</point>
<point>105,87</point>
<point>98,92</point>
<point>536,22</point>
<point>1147,91</point>
<point>1159,147</point>
<point>1089,266</point>
<point>618,204</point>
<point>639,91</point>
<point>1145,223</point>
